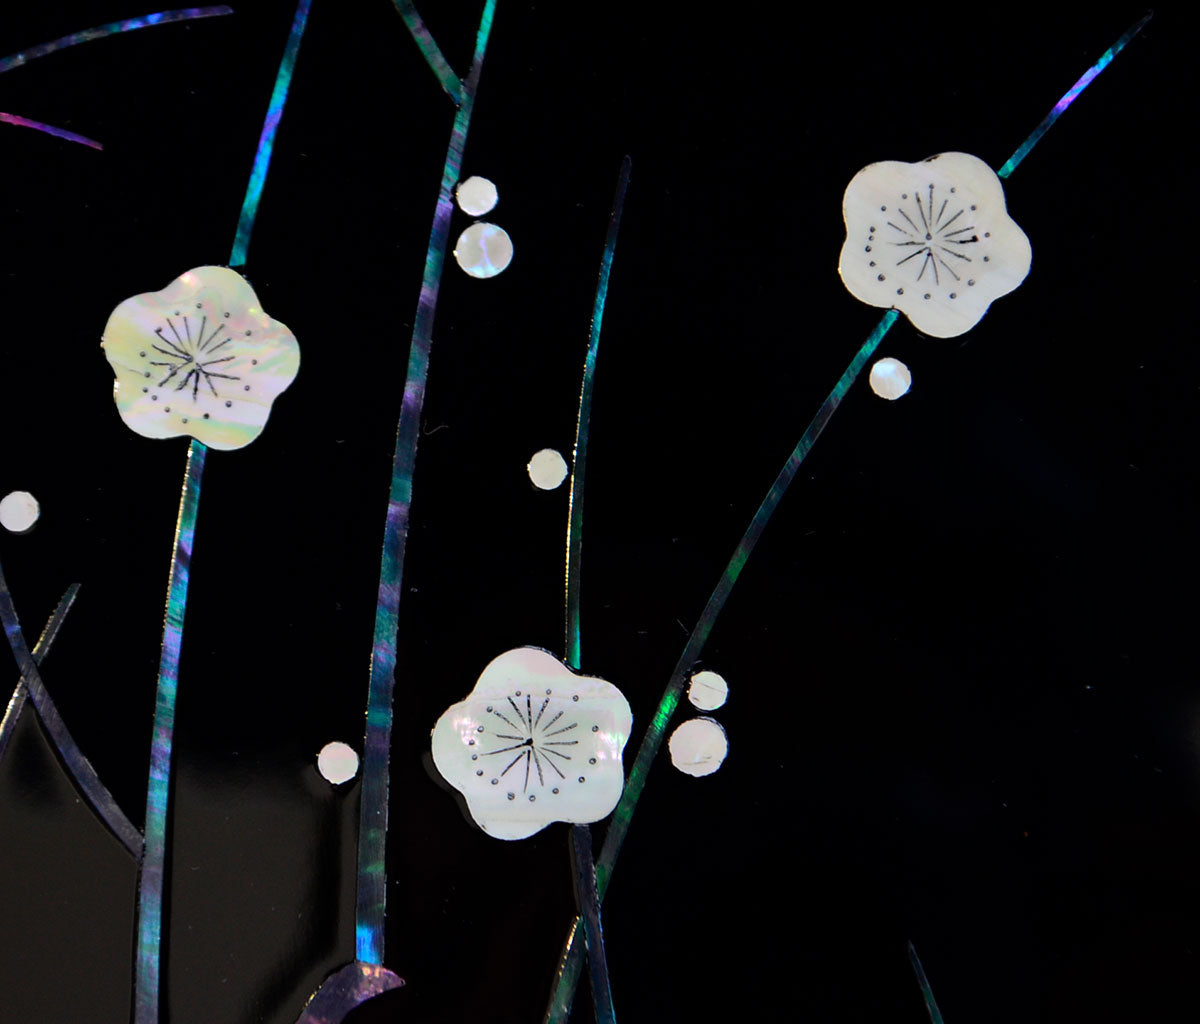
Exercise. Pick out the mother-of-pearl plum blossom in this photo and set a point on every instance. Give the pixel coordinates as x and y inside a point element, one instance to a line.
<point>933,240</point>
<point>199,358</point>
<point>534,743</point>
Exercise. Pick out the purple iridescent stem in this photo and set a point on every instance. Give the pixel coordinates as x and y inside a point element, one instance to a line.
<point>49,129</point>
<point>112,28</point>
<point>430,49</point>
<point>372,834</point>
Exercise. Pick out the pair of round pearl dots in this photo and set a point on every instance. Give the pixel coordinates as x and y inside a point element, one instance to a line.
<point>483,250</point>
<point>698,747</point>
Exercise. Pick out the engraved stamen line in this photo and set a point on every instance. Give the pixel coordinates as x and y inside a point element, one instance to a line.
<point>947,266</point>
<point>953,219</point>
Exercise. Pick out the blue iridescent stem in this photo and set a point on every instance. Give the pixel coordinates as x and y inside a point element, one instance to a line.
<point>567,977</point>
<point>80,768</point>
<point>935,1015</point>
<point>16,703</point>
<point>430,49</point>
<point>49,129</point>
<point>266,140</point>
<point>372,833</point>
<point>1069,97</point>
<point>158,790</point>
<point>584,876</point>
<point>148,963</point>
<point>112,28</point>
<point>583,424</point>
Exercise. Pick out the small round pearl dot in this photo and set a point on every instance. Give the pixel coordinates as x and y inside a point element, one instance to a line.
<point>890,379</point>
<point>547,469</point>
<point>19,510</point>
<point>707,690</point>
<point>483,250</point>
<point>698,747</point>
<point>477,196</point>
<point>337,762</point>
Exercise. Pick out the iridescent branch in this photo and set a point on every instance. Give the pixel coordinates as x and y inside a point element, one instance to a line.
<point>49,129</point>
<point>567,977</point>
<point>372,833</point>
<point>16,703</point>
<point>79,767</point>
<point>158,790</point>
<point>112,28</point>
<point>583,878</point>
<point>430,49</point>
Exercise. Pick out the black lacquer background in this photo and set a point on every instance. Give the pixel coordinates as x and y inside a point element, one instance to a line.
<point>963,681</point>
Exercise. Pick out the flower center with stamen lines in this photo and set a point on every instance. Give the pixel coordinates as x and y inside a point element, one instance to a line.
<point>538,740</point>
<point>192,354</point>
<point>932,234</point>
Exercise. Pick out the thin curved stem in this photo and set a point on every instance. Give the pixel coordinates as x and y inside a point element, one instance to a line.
<point>49,129</point>
<point>430,49</point>
<point>266,139</point>
<point>371,902</point>
<point>567,975</point>
<point>158,790</point>
<point>935,1015</point>
<point>79,767</point>
<point>40,649</point>
<point>587,898</point>
<point>112,28</point>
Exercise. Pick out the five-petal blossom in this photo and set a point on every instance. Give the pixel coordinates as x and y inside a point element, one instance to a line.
<point>199,358</point>
<point>933,240</point>
<point>534,743</point>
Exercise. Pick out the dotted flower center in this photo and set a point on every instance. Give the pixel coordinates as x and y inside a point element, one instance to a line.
<point>933,237</point>
<point>191,356</point>
<point>538,743</point>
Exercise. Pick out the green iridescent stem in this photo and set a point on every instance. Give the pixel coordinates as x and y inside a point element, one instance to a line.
<point>583,878</point>
<point>931,1005</point>
<point>567,977</point>
<point>266,138</point>
<point>153,867</point>
<point>1069,97</point>
<point>583,423</point>
<point>430,49</point>
<point>371,902</point>
<point>569,964</point>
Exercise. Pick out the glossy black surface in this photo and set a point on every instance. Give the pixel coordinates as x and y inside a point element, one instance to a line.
<point>963,704</point>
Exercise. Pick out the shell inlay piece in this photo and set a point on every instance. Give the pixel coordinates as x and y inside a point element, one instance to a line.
<point>530,727</point>
<point>933,240</point>
<point>204,346</point>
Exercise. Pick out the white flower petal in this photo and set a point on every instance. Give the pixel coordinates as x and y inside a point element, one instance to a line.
<point>534,743</point>
<point>933,240</point>
<point>199,358</point>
